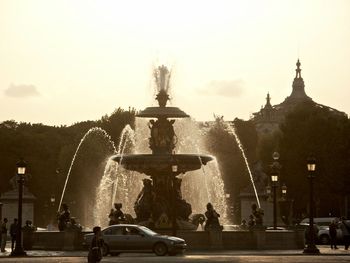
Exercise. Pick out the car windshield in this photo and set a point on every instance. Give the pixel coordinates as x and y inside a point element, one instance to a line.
<point>148,231</point>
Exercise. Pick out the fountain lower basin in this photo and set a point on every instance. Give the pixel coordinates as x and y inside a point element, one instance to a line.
<point>152,164</point>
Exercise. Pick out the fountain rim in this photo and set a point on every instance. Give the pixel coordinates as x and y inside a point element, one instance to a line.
<point>151,164</point>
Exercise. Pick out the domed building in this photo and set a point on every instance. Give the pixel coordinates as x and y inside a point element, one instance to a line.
<point>268,119</point>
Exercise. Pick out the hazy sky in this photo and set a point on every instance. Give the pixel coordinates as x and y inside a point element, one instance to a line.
<point>74,60</point>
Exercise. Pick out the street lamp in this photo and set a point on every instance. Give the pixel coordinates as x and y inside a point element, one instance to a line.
<point>274,180</point>
<point>284,190</point>
<point>311,247</point>
<point>174,169</point>
<point>21,171</point>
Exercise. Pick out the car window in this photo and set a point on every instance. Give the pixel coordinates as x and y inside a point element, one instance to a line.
<point>113,231</point>
<point>148,231</point>
<point>131,231</point>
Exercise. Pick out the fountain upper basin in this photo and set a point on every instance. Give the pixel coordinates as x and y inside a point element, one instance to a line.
<point>154,164</point>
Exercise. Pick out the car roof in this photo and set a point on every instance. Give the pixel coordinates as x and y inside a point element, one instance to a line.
<point>319,219</point>
<point>123,225</point>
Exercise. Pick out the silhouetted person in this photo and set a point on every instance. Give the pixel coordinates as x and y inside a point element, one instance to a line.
<point>63,218</point>
<point>212,218</point>
<point>345,228</point>
<point>3,234</point>
<point>13,233</point>
<point>95,253</point>
<point>333,233</point>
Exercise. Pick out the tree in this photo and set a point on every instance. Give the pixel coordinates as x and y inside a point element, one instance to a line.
<point>311,129</point>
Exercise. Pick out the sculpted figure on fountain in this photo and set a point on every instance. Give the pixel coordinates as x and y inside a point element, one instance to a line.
<point>116,216</point>
<point>212,218</point>
<point>163,137</point>
<point>144,201</point>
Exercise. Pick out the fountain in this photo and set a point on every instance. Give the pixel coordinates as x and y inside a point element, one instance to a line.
<point>160,203</point>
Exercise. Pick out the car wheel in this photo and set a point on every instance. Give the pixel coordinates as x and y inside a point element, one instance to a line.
<point>160,249</point>
<point>105,249</point>
<point>324,239</point>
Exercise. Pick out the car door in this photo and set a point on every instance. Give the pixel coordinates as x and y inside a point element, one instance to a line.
<point>136,239</point>
<point>113,237</point>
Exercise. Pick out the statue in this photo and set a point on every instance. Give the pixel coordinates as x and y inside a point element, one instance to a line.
<point>212,219</point>
<point>197,219</point>
<point>162,138</point>
<point>144,201</point>
<point>257,214</point>
<point>63,218</point>
<point>116,216</point>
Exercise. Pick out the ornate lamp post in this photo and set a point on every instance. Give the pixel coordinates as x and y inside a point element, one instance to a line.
<point>174,228</point>
<point>311,247</point>
<point>284,192</point>
<point>274,180</point>
<point>21,171</point>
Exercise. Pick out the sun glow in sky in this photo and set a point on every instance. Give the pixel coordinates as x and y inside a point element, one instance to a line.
<point>67,61</point>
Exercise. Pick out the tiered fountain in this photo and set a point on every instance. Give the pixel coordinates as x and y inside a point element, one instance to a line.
<point>160,202</point>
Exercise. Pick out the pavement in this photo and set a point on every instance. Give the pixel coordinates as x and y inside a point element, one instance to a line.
<point>236,256</point>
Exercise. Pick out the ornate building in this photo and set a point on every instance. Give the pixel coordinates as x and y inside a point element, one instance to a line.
<point>268,119</point>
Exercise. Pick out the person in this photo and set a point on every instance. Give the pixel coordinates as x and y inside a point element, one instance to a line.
<point>95,253</point>
<point>308,236</point>
<point>63,218</point>
<point>3,234</point>
<point>27,231</point>
<point>13,232</point>
<point>212,218</point>
<point>345,228</point>
<point>333,233</point>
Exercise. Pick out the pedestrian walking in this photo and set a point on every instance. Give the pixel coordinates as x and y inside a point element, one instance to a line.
<point>345,228</point>
<point>333,233</point>
<point>13,233</point>
<point>3,234</point>
<point>95,253</point>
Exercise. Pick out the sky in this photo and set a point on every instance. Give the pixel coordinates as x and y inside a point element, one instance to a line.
<point>65,61</point>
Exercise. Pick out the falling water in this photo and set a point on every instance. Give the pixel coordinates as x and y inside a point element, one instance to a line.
<point>94,130</point>
<point>123,185</point>
<point>232,130</point>
<point>198,191</point>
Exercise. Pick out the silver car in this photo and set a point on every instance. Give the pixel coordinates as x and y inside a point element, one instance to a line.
<point>135,238</point>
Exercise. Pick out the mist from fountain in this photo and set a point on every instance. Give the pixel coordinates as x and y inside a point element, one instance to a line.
<point>231,129</point>
<point>94,130</point>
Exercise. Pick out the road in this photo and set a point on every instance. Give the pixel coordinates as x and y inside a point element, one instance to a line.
<point>269,256</point>
<point>129,258</point>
